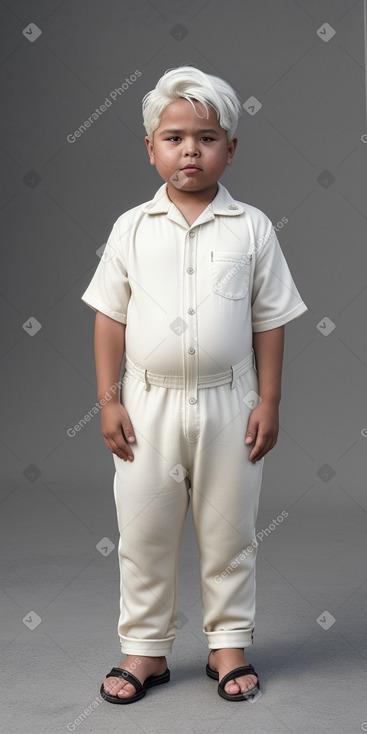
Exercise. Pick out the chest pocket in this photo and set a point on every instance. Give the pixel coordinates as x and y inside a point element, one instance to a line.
<point>230,273</point>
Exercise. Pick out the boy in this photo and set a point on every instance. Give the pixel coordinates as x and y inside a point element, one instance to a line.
<point>200,284</point>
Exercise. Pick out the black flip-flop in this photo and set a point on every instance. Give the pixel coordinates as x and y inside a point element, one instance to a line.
<point>141,688</point>
<point>235,673</point>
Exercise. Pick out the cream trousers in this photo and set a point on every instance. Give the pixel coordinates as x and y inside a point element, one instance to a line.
<point>152,499</point>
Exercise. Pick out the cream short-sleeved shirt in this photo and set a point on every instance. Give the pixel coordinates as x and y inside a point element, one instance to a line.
<point>191,296</point>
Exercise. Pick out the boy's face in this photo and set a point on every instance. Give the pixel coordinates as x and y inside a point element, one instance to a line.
<point>183,138</point>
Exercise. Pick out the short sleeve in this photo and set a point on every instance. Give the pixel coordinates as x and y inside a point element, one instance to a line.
<point>275,299</point>
<point>109,290</point>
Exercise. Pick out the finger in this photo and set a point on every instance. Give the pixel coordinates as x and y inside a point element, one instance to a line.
<point>251,438</point>
<point>121,444</point>
<point>127,427</point>
<point>125,453</point>
<point>122,450</point>
<point>251,434</point>
<point>258,451</point>
<point>128,433</point>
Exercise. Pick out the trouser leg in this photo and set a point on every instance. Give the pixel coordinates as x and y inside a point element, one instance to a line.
<point>225,498</point>
<point>151,501</point>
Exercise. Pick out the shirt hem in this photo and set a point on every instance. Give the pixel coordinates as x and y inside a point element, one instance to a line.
<point>280,320</point>
<point>98,305</point>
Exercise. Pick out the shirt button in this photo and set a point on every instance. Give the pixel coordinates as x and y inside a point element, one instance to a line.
<point>190,270</point>
<point>191,350</point>
<point>232,206</point>
<point>192,401</point>
<point>191,234</point>
<point>191,310</point>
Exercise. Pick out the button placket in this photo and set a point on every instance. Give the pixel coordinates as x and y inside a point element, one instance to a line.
<point>191,364</point>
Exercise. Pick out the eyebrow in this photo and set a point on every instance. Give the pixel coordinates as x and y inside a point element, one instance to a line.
<point>207,130</point>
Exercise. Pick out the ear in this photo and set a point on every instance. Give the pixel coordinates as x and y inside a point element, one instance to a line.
<point>150,150</point>
<point>231,149</point>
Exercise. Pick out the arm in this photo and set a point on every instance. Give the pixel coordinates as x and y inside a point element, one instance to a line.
<point>109,347</point>
<point>263,424</point>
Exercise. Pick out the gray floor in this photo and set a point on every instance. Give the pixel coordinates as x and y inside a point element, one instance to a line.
<point>302,160</point>
<point>312,679</point>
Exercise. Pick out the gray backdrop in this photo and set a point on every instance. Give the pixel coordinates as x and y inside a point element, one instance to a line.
<point>301,155</point>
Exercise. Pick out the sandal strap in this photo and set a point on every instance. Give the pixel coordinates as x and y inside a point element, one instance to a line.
<point>129,677</point>
<point>237,672</point>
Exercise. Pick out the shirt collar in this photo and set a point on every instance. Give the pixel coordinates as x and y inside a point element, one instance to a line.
<point>223,203</point>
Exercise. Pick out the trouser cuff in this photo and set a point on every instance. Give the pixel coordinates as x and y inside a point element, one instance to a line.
<point>151,648</point>
<point>229,638</point>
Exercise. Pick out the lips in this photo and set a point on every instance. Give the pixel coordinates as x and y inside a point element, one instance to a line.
<point>189,166</point>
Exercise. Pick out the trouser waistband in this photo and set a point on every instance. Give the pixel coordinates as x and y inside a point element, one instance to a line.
<point>178,382</point>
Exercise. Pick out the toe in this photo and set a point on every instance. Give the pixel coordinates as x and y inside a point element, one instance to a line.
<point>118,687</point>
<point>249,681</point>
<point>127,690</point>
<point>112,686</point>
<point>109,684</point>
<point>232,687</point>
<point>240,685</point>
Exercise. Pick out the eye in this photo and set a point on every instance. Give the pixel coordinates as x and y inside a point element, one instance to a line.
<point>176,137</point>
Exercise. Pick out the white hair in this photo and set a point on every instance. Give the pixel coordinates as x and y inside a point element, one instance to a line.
<point>191,83</point>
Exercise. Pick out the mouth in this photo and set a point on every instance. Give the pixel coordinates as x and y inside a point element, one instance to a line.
<point>191,168</point>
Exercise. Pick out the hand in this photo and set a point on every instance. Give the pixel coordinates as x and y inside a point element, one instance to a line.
<point>116,427</point>
<point>263,428</point>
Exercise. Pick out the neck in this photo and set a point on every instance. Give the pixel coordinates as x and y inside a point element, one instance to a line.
<point>192,198</point>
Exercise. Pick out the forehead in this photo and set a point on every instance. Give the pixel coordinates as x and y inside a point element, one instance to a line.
<point>182,114</point>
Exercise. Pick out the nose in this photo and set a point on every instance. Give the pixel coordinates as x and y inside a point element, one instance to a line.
<point>191,148</point>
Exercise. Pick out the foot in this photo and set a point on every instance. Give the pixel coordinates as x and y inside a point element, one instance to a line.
<point>225,660</point>
<point>139,665</point>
